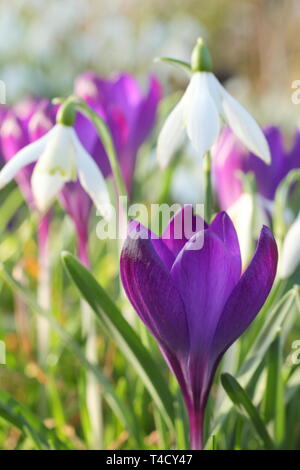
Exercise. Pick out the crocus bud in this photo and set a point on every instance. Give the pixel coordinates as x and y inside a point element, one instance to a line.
<point>201,60</point>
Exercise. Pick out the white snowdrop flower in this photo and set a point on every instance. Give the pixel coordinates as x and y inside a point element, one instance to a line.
<point>201,111</point>
<point>60,158</point>
<point>290,254</point>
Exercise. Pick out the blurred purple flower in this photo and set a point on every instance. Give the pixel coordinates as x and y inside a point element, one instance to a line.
<point>230,158</point>
<point>129,114</point>
<point>21,125</point>
<point>196,302</point>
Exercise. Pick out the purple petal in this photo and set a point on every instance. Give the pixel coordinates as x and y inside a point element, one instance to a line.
<point>129,115</point>
<point>224,228</point>
<point>268,177</point>
<point>205,278</point>
<point>152,292</point>
<point>183,225</point>
<point>249,294</point>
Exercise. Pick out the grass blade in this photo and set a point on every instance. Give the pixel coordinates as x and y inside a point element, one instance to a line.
<point>241,400</point>
<point>22,418</point>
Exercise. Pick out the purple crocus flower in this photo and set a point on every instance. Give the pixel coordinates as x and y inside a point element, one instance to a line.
<point>230,158</point>
<point>130,116</point>
<point>196,303</point>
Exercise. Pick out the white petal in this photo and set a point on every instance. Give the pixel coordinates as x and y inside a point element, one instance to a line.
<point>59,154</point>
<point>290,254</point>
<point>91,177</point>
<point>203,122</point>
<point>245,127</point>
<point>45,188</point>
<point>248,220</point>
<point>24,157</point>
<point>171,135</point>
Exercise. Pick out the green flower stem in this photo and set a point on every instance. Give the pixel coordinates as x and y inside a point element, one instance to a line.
<point>107,142</point>
<point>208,192</point>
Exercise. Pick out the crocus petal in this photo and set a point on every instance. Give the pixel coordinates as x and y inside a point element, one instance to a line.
<point>45,187</point>
<point>203,122</point>
<point>249,294</point>
<point>205,279</point>
<point>152,292</point>
<point>171,136</point>
<point>245,127</point>
<point>23,158</point>
<point>166,256</point>
<point>90,177</point>
<point>224,228</point>
<point>290,256</point>
<point>181,228</point>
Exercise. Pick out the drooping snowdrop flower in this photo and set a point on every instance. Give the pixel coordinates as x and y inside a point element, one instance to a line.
<point>60,158</point>
<point>196,303</point>
<point>200,112</point>
<point>290,254</point>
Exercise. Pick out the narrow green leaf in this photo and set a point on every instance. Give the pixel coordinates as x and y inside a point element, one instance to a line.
<point>22,418</point>
<point>9,206</point>
<point>180,63</point>
<point>126,338</point>
<point>274,403</point>
<point>241,400</point>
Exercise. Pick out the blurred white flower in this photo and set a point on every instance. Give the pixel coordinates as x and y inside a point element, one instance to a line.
<point>60,158</point>
<point>290,253</point>
<point>248,216</point>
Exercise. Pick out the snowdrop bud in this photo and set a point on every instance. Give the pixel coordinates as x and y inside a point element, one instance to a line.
<point>201,60</point>
<point>66,114</point>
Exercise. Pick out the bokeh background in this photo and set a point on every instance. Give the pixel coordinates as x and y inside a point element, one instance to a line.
<point>44,45</point>
<point>255,45</point>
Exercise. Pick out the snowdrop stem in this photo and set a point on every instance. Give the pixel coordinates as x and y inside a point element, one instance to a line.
<point>92,392</point>
<point>208,193</point>
<point>108,144</point>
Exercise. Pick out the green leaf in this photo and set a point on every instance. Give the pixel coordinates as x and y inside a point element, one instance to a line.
<point>241,400</point>
<point>177,62</point>
<point>124,335</point>
<point>22,418</point>
<point>274,403</point>
<point>118,407</point>
<point>9,207</point>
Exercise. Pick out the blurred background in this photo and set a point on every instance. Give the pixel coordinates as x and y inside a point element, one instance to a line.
<point>44,45</point>
<point>254,43</point>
